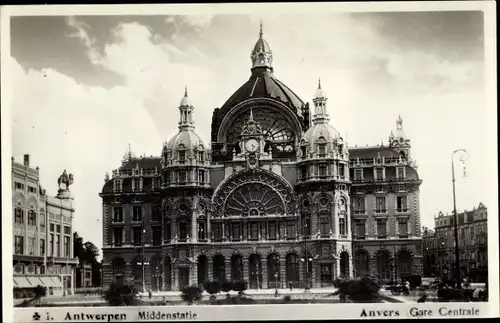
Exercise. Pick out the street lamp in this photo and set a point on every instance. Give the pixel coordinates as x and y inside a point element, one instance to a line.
<point>464,156</point>
<point>306,259</point>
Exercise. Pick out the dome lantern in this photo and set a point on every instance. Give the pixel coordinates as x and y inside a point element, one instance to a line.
<point>261,55</point>
<point>186,110</point>
<point>320,112</point>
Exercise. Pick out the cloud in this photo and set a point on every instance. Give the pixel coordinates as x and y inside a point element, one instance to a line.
<point>65,125</point>
<point>80,31</point>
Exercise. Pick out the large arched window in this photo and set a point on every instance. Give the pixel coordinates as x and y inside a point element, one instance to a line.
<point>383,264</point>
<point>254,199</point>
<point>273,271</point>
<point>292,269</point>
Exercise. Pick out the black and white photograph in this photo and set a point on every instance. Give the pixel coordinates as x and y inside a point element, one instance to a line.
<point>174,162</point>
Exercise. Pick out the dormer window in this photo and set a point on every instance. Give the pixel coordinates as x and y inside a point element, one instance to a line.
<point>400,172</point>
<point>201,156</point>
<point>303,151</point>
<point>182,157</point>
<point>379,173</point>
<point>322,150</point>
<point>358,174</point>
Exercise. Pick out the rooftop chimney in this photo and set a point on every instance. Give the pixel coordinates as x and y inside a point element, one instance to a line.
<point>27,160</point>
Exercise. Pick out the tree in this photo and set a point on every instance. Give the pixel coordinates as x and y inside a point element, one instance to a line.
<point>364,290</point>
<point>240,286</point>
<point>213,287</point>
<point>121,295</point>
<point>191,294</point>
<point>227,286</point>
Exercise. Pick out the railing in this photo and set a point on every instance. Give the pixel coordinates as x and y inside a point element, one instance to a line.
<point>401,210</point>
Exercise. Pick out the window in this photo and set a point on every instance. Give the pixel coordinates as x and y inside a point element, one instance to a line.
<point>303,151</point>
<point>358,174</point>
<point>31,246</point>
<point>360,229</point>
<point>322,170</point>
<point>19,245</point>
<point>58,228</point>
<point>51,245</point>
<point>67,230</point>
<point>201,157</point>
<point>32,189</point>
<point>157,236</point>
<point>137,233</point>
<point>183,230</point>
<point>236,232</point>
<point>19,215</point>
<point>118,185</point>
<point>168,231</point>
<point>66,247</point>
<point>403,228</point>
<point>117,236</point>
<point>32,217</point>
<point>137,214</point>
<point>58,245</point>
<point>52,226</point>
<point>290,230</point>
<point>272,231</point>
<point>42,247</point>
<point>254,231</point>
<point>118,214</point>
<point>182,157</point>
<point>201,176</point>
<point>341,170</point>
<point>156,213</point>
<point>381,229</point>
<point>19,186</point>
<point>380,204</point>
<point>307,226</point>
<point>400,172</point>
<point>401,204</point>
<point>324,226</point>
<point>322,150</point>
<point>359,205</point>
<point>217,231</point>
<point>342,227</point>
<point>303,172</point>
<point>156,183</point>
<point>201,230</point>
<point>379,173</point>
<point>182,177</point>
<point>136,182</point>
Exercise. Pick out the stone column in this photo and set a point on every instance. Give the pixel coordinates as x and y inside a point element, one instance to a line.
<point>227,263</point>
<point>246,276</point>
<point>175,281</point>
<point>210,269</point>
<point>372,265</point>
<point>193,274</point>
<point>315,275</point>
<point>194,226</point>
<point>208,234</point>
<point>263,269</point>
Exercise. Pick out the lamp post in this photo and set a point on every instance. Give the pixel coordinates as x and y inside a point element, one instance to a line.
<point>463,158</point>
<point>306,259</point>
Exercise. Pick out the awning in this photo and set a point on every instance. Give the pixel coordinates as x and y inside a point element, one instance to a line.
<point>51,282</point>
<point>22,282</point>
<point>33,281</point>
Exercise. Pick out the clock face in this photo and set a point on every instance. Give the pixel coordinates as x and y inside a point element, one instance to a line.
<point>252,145</point>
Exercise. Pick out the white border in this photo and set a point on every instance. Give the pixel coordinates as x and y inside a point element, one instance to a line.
<point>296,312</point>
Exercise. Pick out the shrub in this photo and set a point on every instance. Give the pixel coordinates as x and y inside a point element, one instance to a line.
<point>121,295</point>
<point>287,299</point>
<point>240,286</point>
<point>363,290</point>
<point>227,286</point>
<point>191,294</point>
<point>213,287</point>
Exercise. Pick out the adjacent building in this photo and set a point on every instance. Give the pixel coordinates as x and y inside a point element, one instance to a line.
<point>42,232</point>
<point>439,245</point>
<point>277,197</point>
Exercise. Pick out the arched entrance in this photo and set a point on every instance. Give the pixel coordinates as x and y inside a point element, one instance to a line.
<point>168,273</point>
<point>344,264</point>
<point>292,269</point>
<point>118,267</point>
<point>156,273</point>
<point>202,269</point>
<point>383,264</point>
<point>236,268</point>
<point>362,263</point>
<point>273,271</point>
<point>255,271</point>
<point>404,263</point>
<point>219,268</point>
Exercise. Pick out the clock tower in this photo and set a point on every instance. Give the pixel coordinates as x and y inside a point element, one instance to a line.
<point>252,142</point>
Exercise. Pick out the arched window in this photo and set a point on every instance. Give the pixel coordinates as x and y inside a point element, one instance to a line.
<point>19,214</point>
<point>362,263</point>
<point>32,217</point>
<point>383,264</point>
<point>292,269</point>
<point>273,271</point>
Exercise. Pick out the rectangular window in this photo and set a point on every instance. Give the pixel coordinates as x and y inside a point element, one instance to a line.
<point>342,227</point>
<point>303,151</point>
<point>66,247</point>
<point>381,229</point>
<point>58,245</point>
<point>19,186</point>
<point>52,226</point>
<point>118,214</point>
<point>157,236</point>
<point>272,231</point>
<point>379,173</point>
<point>401,205</point>
<point>322,150</point>
<point>137,232</point>
<point>290,230</point>
<point>67,230</point>
<point>42,247</point>
<point>182,177</point>
<point>137,184</point>
<point>156,183</point>
<point>360,229</point>
<point>201,176</point>
<point>156,213</point>
<point>201,157</point>
<point>322,170</point>
<point>403,228</point>
<point>137,214</point>
<point>359,205</point>
<point>400,172</point>
<point>303,172</point>
<point>358,174</point>
<point>31,246</point>
<point>183,230</point>
<point>19,215</point>
<point>19,245</point>
<point>254,231</point>
<point>31,218</point>
<point>51,245</point>
<point>168,231</point>
<point>201,230</point>
<point>117,236</point>
<point>217,231</point>
<point>58,228</point>
<point>324,226</point>
<point>32,189</point>
<point>341,170</point>
<point>118,185</point>
<point>182,157</point>
<point>380,204</point>
<point>236,232</point>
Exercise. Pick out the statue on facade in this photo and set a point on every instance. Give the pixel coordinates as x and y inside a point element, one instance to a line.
<point>65,180</point>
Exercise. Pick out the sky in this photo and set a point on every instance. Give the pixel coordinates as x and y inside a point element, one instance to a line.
<point>87,86</point>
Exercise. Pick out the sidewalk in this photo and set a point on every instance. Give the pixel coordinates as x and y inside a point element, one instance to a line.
<point>271,291</point>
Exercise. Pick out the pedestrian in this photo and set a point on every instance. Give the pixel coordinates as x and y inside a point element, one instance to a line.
<point>422,298</point>
<point>291,285</point>
<point>475,294</point>
<point>407,287</point>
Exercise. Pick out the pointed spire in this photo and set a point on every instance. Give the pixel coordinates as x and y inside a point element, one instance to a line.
<point>261,33</point>
<point>129,151</point>
<point>319,83</point>
<point>250,118</point>
<point>185,91</point>
<point>261,55</point>
<point>186,112</point>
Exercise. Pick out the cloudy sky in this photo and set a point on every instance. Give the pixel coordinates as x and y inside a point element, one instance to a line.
<point>86,86</point>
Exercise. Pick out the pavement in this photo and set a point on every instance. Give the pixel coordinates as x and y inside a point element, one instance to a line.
<point>412,298</point>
